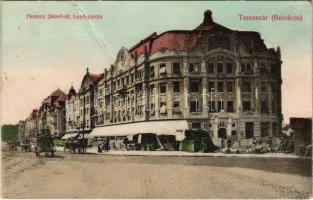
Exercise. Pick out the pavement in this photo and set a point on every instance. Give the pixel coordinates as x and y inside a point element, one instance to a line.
<point>187,154</point>
<point>145,177</point>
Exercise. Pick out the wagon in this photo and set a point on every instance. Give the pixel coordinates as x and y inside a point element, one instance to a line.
<point>25,147</point>
<point>44,144</point>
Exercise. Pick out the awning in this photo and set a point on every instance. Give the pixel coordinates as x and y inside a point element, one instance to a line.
<point>69,135</point>
<point>170,127</point>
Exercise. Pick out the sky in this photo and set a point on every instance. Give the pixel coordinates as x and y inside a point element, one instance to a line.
<point>39,56</point>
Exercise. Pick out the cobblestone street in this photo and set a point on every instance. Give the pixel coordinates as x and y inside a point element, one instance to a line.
<point>107,176</point>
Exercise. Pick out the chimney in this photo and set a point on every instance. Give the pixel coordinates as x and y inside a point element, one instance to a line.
<point>207,16</point>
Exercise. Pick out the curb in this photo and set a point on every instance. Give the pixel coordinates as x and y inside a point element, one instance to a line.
<point>186,154</point>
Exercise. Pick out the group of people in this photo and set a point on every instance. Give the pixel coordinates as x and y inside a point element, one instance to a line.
<point>79,144</point>
<point>104,146</point>
<point>113,144</point>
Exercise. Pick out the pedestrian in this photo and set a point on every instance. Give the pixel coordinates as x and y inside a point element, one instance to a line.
<point>99,148</point>
<point>107,144</point>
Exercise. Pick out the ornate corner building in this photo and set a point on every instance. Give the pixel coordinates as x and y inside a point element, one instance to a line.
<point>221,80</point>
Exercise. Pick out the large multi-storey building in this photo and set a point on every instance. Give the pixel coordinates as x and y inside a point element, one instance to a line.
<point>51,113</point>
<point>221,80</point>
<point>72,111</point>
<point>85,102</point>
<point>31,125</point>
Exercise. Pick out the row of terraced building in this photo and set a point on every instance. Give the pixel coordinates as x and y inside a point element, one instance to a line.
<point>224,81</point>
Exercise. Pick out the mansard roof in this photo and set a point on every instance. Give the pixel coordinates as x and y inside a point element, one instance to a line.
<point>55,99</point>
<point>187,39</point>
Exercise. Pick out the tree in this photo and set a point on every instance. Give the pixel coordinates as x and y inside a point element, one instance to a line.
<point>9,132</point>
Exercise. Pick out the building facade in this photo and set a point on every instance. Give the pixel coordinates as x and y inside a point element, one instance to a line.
<point>72,111</point>
<point>31,125</point>
<point>302,135</point>
<point>221,80</point>
<point>52,114</point>
<point>21,131</point>
<point>218,79</point>
<point>86,104</point>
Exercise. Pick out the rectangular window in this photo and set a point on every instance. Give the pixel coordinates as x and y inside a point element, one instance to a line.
<point>243,67</point>
<point>211,106</point>
<point>152,71</point>
<point>247,86</point>
<point>152,90</point>
<point>152,109</point>
<point>249,68</point>
<point>176,68</point>
<point>230,106</point>
<point>264,129</point>
<point>163,108</point>
<point>87,99</point>
<point>210,68</point>
<point>263,69</point>
<point>273,69</point>
<point>194,86</point>
<point>229,67</point>
<point>264,107</point>
<point>274,129</point>
<point>220,106</point>
<point>273,106</point>
<point>176,106</point>
<point>162,88</point>
<point>229,86</point>
<point>249,127</point>
<point>273,87</point>
<point>220,86</point>
<point>192,67</point>
<point>194,106</point>
<point>263,86</point>
<point>196,125</point>
<point>176,87</point>
<point>211,86</point>
<point>219,68</point>
<point>246,105</point>
<point>162,68</point>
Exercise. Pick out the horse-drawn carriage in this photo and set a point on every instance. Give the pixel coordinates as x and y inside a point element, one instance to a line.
<point>44,143</point>
<point>25,145</point>
<point>12,145</point>
<point>76,144</point>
